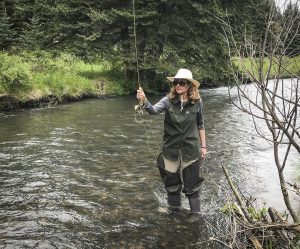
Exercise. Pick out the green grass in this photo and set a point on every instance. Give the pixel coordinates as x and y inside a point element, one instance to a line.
<point>251,67</point>
<point>34,75</point>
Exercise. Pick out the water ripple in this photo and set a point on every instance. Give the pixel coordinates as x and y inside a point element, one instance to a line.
<point>84,175</point>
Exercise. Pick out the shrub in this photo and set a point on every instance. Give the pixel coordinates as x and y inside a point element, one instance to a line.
<point>15,75</point>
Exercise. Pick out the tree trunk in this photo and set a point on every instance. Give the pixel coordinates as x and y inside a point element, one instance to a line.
<point>283,185</point>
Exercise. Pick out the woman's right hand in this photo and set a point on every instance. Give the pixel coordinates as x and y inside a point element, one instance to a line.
<point>140,94</point>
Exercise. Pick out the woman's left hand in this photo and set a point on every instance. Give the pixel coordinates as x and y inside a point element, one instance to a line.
<point>203,153</point>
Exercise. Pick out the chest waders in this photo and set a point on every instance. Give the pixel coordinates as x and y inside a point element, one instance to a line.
<point>189,182</point>
<point>181,136</point>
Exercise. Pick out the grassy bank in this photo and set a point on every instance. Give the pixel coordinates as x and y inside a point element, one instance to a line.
<point>37,76</point>
<point>290,67</point>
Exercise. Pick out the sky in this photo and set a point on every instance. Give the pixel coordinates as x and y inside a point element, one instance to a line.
<point>282,3</point>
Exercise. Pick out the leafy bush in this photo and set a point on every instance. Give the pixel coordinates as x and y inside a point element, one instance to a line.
<point>15,75</point>
<point>42,61</point>
<point>61,83</point>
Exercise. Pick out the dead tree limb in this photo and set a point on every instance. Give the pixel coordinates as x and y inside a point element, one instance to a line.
<point>237,196</point>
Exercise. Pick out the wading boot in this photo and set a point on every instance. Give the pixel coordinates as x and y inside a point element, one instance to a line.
<point>195,209</point>
<point>174,201</point>
<point>194,204</point>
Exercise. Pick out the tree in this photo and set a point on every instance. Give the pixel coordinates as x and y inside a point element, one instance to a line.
<point>273,104</point>
<point>32,35</point>
<point>7,34</point>
<point>278,104</point>
<point>170,34</point>
<point>291,19</point>
<point>271,99</point>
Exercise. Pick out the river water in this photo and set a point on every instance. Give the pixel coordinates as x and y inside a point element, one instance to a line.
<point>83,175</point>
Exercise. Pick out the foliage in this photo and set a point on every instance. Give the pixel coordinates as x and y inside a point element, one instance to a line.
<point>251,66</point>
<point>14,74</point>
<point>229,208</point>
<point>37,74</point>
<point>7,33</point>
<point>170,34</point>
<point>255,214</point>
<point>292,15</point>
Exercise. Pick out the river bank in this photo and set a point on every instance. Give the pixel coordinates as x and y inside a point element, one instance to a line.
<point>9,103</point>
<point>35,79</point>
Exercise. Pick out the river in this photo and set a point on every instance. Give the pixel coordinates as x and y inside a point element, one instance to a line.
<point>83,175</point>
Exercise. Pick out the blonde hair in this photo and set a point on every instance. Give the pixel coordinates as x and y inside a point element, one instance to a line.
<point>193,93</point>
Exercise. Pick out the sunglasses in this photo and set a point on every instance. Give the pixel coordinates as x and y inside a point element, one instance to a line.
<point>180,82</point>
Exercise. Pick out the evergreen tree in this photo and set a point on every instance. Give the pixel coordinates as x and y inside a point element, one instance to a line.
<point>170,34</point>
<point>291,20</point>
<point>32,35</point>
<point>7,34</point>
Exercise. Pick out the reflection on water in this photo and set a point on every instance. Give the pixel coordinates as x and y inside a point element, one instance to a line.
<point>83,175</point>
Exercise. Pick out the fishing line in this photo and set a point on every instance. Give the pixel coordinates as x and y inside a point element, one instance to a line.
<point>149,133</point>
<point>139,109</point>
<point>135,44</point>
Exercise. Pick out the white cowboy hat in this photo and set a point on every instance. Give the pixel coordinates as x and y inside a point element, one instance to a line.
<point>184,74</point>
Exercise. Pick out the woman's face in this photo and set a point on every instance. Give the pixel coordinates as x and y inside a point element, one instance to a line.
<point>181,86</point>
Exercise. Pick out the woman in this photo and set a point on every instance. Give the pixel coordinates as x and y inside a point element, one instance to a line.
<point>184,142</point>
